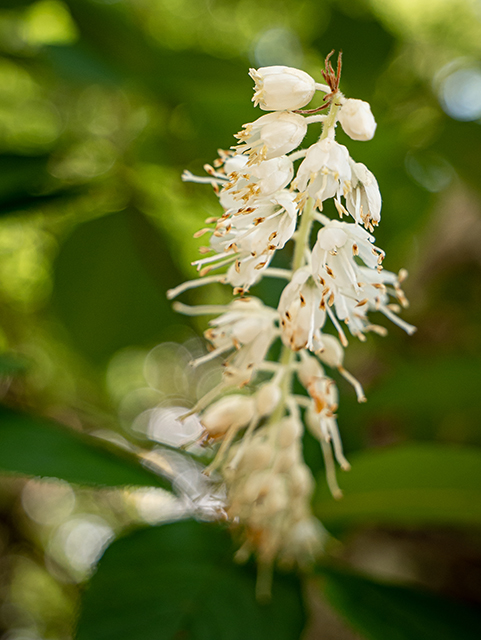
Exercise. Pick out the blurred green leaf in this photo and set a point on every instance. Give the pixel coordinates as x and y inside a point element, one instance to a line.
<point>12,364</point>
<point>453,385</point>
<point>19,173</point>
<point>110,282</point>
<point>180,581</point>
<point>388,612</point>
<point>25,183</point>
<point>415,484</point>
<point>35,447</point>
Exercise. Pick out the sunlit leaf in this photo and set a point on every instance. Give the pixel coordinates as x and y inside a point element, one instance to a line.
<point>382,611</point>
<point>413,484</point>
<point>180,581</point>
<point>35,447</point>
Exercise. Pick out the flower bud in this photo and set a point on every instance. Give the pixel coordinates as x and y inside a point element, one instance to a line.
<point>302,482</point>
<point>258,484</point>
<point>286,459</point>
<point>332,352</point>
<point>276,499</point>
<point>289,431</point>
<point>280,88</point>
<point>267,398</point>
<point>309,370</point>
<point>233,411</point>
<point>357,120</point>
<point>256,457</point>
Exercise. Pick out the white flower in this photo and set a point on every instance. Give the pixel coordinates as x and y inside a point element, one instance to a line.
<point>229,413</point>
<point>352,289</point>
<point>300,315</point>
<point>364,201</point>
<point>280,88</point>
<point>272,135</point>
<point>260,180</point>
<point>357,120</point>
<point>248,327</point>
<point>249,236</point>
<point>325,171</point>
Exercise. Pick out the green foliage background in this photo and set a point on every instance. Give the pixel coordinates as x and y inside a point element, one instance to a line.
<point>103,103</point>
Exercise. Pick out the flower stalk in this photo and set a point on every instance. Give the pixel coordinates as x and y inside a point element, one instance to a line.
<point>338,280</point>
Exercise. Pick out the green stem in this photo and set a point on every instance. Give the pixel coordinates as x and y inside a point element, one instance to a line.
<point>330,121</point>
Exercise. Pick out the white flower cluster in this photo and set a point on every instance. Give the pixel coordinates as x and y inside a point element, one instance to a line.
<point>271,193</point>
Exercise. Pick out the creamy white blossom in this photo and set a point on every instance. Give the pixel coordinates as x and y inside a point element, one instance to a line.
<point>228,413</point>
<point>248,236</point>
<point>271,136</point>
<point>364,200</point>
<point>351,289</point>
<point>301,316</point>
<point>260,180</point>
<point>325,172</point>
<point>334,281</point>
<point>248,328</point>
<point>280,88</point>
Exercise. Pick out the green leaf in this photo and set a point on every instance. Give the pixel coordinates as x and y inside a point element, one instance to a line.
<point>382,611</point>
<point>413,484</point>
<point>179,581</point>
<point>12,364</point>
<point>110,280</point>
<point>35,447</point>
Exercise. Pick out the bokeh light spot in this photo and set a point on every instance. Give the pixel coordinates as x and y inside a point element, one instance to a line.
<point>278,46</point>
<point>48,502</point>
<point>460,94</point>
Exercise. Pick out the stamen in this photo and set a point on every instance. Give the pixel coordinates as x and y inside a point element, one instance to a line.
<point>193,284</point>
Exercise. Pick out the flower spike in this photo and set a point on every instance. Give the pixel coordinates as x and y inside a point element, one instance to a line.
<point>252,417</point>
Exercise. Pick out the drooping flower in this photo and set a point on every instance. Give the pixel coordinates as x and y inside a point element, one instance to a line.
<point>271,136</point>
<point>364,200</point>
<point>325,172</point>
<point>249,236</point>
<point>280,88</point>
<point>321,416</point>
<point>259,181</point>
<point>247,328</point>
<point>301,316</point>
<point>230,413</point>
<point>350,288</point>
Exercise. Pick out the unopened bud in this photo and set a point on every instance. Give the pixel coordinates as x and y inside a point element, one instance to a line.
<point>286,459</point>
<point>258,484</point>
<point>332,352</point>
<point>357,120</point>
<point>280,88</point>
<point>256,457</point>
<point>267,398</point>
<point>233,411</point>
<point>309,370</point>
<point>276,499</point>
<point>302,481</point>
<point>289,431</point>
